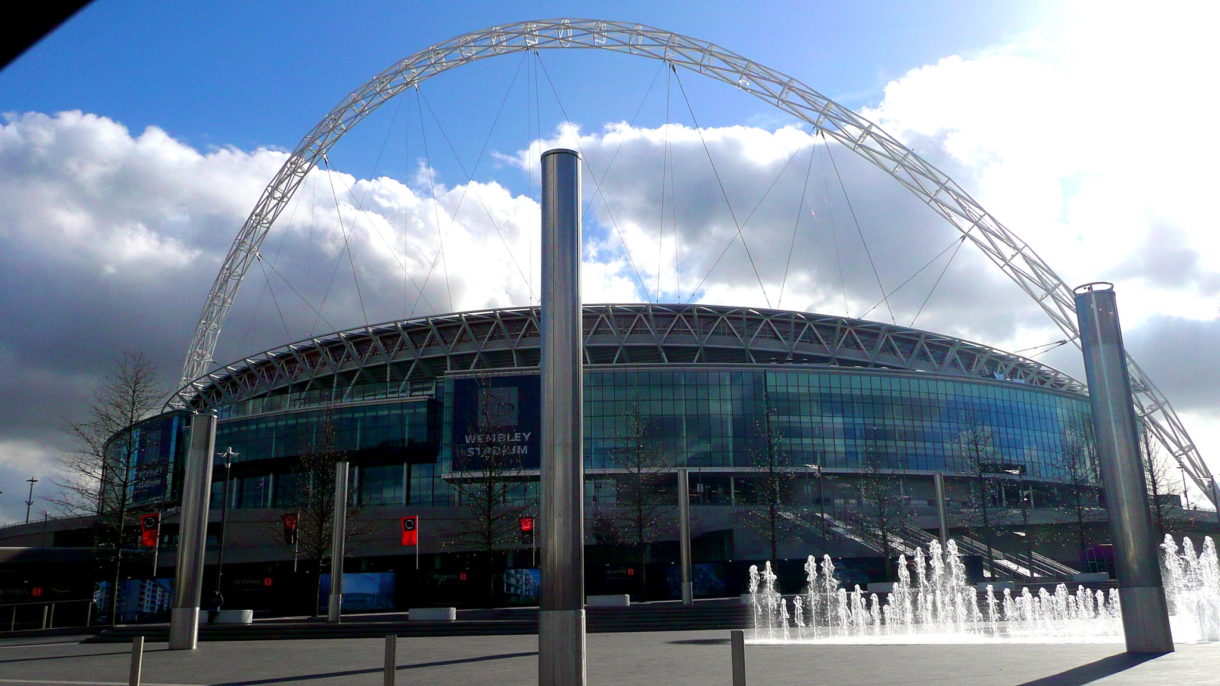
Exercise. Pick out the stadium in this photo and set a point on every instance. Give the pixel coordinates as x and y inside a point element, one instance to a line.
<point>800,433</point>
<point>428,411</point>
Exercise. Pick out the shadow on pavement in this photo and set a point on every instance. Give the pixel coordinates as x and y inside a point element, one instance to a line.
<point>375,670</point>
<point>1093,671</point>
<point>66,657</point>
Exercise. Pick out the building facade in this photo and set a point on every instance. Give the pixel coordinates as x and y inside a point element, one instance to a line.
<point>437,412</point>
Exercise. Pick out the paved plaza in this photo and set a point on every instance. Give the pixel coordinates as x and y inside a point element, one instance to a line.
<point>667,658</point>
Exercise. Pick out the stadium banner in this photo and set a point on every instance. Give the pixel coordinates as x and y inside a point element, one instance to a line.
<point>496,423</point>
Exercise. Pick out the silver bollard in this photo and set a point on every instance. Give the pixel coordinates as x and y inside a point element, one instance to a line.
<point>561,602</point>
<point>338,541</point>
<point>391,659</point>
<point>737,638</point>
<point>1136,562</point>
<point>137,661</point>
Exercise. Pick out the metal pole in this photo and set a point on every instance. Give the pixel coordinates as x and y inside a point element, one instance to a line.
<point>561,616</point>
<point>156,549</point>
<point>296,546</point>
<point>228,455</point>
<point>391,659</point>
<point>822,508</point>
<point>337,541</point>
<point>1029,535</point>
<point>1145,613</point>
<point>192,534</point>
<point>137,661</point>
<point>737,640</point>
<point>938,480</point>
<point>688,591</point>
<point>30,500</point>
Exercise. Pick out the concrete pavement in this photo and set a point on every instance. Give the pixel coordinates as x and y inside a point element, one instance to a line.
<point>671,658</point>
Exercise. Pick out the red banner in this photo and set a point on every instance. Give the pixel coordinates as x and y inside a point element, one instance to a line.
<point>410,530</point>
<point>150,529</point>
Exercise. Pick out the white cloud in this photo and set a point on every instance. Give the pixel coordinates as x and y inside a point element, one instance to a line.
<point>111,240</point>
<point>1073,138</point>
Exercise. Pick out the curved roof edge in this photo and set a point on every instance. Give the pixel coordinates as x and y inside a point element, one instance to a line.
<point>423,349</point>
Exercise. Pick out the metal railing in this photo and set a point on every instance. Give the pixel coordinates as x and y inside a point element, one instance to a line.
<point>40,615</point>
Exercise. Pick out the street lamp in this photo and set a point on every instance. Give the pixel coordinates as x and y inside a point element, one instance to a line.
<point>228,456</point>
<point>30,500</point>
<point>817,472</point>
<point>1029,538</point>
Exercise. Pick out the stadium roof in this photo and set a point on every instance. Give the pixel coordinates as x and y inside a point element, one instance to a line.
<point>409,355</point>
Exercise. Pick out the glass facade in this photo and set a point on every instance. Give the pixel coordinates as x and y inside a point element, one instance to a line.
<point>839,419</point>
<point>713,419</point>
<point>835,418</point>
<point>147,462</point>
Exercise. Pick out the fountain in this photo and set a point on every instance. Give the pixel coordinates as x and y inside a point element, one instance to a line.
<point>938,605</point>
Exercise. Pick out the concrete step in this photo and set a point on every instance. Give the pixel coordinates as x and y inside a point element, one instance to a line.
<point>666,617</point>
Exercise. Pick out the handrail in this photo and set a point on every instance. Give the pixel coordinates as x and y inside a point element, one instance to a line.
<point>47,620</point>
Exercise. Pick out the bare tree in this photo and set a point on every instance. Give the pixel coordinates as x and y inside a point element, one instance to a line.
<point>603,529</point>
<point>883,508</point>
<point>315,499</point>
<point>770,502</point>
<point>976,451</point>
<point>641,503</point>
<point>97,478</point>
<point>1156,472</point>
<point>491,495</point>
<point>1078,463</point>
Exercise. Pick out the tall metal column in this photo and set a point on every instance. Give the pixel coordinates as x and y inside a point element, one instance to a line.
<point>192,534</point>
<point>688,591</point>
<point>938,480</point>
<point>561,616</point>
<point>1145,613</point>
<point>338,540</point>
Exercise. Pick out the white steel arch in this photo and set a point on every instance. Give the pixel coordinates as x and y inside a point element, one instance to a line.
<point>1004,248</point>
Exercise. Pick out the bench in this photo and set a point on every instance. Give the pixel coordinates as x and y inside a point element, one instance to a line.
<point>617,600</point>
<point>432,614</point>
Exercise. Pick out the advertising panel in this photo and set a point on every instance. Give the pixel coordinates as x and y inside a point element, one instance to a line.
<point>496,422</point>
<point>362,592</point>
<point>156,442</point>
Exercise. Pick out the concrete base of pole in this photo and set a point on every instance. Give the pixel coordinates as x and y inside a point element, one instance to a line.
<point>137,661</point>
<point>737,643</point>
<point>688,593</point>
<point>1146,619</point>
<point>561,650</point>
<point>391,661</point>
<point>184,628</point>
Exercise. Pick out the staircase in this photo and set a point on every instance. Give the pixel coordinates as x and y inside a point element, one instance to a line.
<point>1043,566</point>
<point>903,541</point>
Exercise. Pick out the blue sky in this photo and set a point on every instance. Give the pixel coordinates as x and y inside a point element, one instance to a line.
<point>136,138</point>
<point>260,74</point>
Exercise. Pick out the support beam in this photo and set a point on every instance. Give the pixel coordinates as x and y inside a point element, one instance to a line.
<point>938,480</point>
<point>561,616</point>
<point>338,543</point>
<point>688,591</point>
<point>192,533</point>
<point>1145,613</point>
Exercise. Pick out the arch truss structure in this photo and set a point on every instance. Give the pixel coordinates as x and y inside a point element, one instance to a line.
<point>1003,247</point>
